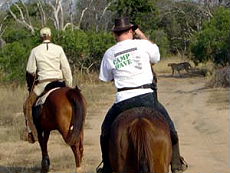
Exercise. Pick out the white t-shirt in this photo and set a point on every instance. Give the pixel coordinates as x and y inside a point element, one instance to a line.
<point>50,62</point>
<point>128,63</point>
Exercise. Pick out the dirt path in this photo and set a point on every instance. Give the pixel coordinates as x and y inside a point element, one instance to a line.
<point>201,117</point>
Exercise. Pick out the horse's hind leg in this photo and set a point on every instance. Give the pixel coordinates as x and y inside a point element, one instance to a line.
<point>172,71</point>
<point>78,151</point>
<point>43,139</point>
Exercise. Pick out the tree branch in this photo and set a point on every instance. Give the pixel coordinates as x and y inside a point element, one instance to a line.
<point>22,21</point>
<point>83,12</point>
<point>42,13</point>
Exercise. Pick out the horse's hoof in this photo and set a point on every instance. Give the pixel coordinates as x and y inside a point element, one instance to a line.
<point>43,171</point>
<point>79,169</point>
<point>45,165</point>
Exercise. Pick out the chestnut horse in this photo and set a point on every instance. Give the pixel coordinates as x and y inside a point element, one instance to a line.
<point>140,142</point>
<point>64,110</point>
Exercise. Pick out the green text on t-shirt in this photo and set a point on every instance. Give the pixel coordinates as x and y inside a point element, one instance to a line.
<point>122,61</point>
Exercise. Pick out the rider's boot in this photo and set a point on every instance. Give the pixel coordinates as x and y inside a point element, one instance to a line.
<point>178,164</point>
<point>27,108</point>
<point>104,140</point>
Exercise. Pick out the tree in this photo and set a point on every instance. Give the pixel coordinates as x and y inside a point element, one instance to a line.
<point>23,18</point>
<point>94,14</point>
<point>13,58</point>
<point>180,20</point>
<point>2,30</point>
<point>138,11</point>
<point>212,42</point>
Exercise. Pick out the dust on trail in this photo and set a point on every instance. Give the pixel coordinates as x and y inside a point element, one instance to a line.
<point>201,117</point>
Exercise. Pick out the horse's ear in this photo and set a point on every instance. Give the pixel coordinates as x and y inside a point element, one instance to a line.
<point>76,87</point>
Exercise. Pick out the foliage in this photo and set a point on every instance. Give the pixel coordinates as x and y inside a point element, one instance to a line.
<point>161,39</point>
<point>75,45</point>
<point>138,11</point>
<point>13,61</point>
<point>180,21</point>
<point>84,49</point>
<point>17,33</point>
<point>212,43</point>
<point>98,43</point>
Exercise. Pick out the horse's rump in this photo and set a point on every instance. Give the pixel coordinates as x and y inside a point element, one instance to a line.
<point>140,142</point>
<point>78,117</point>
<point>66,107</point>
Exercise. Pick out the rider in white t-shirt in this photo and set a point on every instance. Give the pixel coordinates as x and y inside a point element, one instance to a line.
<point>128,64</point>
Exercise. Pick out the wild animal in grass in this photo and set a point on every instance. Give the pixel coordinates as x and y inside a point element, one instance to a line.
<point>64,110</point>
<point>140,142</point>
<point>180,66</point>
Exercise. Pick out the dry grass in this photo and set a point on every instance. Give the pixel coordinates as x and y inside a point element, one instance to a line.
<point>17,156</point>
<point>220,97</point>
<point>11,100</point>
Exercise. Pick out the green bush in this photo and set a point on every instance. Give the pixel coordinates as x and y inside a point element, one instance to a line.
<point>212,43</point>
<point>160,38</point>
<point>13,58</point>
<point>75,45</point>
<point>98,43</point>
<point>84,49</point>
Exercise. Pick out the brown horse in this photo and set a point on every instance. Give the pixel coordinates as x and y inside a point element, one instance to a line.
<point>140,142</point>
<point>64,110</point>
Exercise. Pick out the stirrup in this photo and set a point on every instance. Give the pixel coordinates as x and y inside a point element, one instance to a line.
<point>99,169</point>
<point>184,166</point>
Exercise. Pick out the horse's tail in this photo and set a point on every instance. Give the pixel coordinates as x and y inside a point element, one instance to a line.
<point>78,117</point>
<point>140,134</point>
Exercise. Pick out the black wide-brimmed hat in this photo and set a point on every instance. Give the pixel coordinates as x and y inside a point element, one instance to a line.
<point>122,24</point>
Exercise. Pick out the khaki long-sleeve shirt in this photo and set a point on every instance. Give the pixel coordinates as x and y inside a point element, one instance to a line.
<point>49,61</point>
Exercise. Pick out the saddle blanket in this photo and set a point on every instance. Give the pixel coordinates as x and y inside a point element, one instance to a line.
<point>41,100</point>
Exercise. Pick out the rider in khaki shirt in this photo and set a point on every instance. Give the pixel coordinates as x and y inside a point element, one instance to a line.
<point>47,63</point>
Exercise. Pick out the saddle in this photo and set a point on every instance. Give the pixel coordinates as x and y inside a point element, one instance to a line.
<point>36,110</point>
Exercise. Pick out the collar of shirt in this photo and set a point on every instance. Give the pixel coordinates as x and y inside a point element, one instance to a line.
<point>46,41</point>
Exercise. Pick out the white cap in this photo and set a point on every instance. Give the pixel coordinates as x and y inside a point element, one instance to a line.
<point>45,32</point>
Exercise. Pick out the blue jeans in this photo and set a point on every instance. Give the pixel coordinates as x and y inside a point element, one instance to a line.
<point>144,100</point>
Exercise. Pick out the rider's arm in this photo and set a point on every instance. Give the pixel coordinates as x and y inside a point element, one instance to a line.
<point>31,69</point>
<point>30,80</point>
<point>140,34</point>
<point>32,64</point>
<point>106,69</point>
<point>66,70</point>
